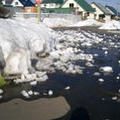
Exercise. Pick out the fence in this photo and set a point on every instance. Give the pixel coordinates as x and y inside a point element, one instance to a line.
<point>49,15</point>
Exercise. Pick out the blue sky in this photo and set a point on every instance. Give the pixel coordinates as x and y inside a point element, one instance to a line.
<point>114,3</point>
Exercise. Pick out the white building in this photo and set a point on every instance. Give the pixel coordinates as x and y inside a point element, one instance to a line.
<point>51,3</point>
<point>16,3</point>
<point>81,7</point>
<point>101,13</point>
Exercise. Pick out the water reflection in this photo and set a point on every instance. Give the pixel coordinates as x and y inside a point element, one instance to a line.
<point>80,114</point>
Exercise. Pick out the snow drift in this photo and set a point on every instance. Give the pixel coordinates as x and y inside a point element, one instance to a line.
<point>111,25</point>
<point>26,35</point>
<point>61,22</point>
<point>88,22</point>
<point>57,22</point>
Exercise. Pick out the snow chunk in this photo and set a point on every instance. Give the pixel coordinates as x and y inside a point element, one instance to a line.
<point>114,98</point>
<point>25,94</point>
<point>30,92</point>
<point>101,80</point>
<point>33,83</point>
<point>67,88</point>
<point>36,93</point>
<point>1,91</point>
<point>96,74</point>
<point>106,69</point>
<point>111,25</point>
<point>1,96</point>
<point>50,92</point>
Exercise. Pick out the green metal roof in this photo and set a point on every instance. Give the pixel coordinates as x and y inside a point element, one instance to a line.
<point>85,5</point>
<point>58,10</point>
<point>53,1</point>
<point>102,8</point>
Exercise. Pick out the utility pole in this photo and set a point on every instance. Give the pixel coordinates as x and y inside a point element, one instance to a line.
<point>38,2</point>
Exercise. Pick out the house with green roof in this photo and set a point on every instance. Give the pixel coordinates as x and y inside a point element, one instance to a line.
<point>101,12</point>
<point>51,3</point>
<point>81,8</point>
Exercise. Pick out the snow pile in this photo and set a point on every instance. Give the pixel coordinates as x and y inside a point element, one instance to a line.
<point>21,33</point>
<point>57,22</point>
<point>111,25</point>
<point>19,38</point>
<point>88,22</point>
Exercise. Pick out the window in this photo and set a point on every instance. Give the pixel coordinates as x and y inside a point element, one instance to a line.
<point>88,13</point>
<point>45,5</point>
<point>16,3</point>
<point>71,5</point>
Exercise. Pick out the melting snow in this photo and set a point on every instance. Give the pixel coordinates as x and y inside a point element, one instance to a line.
<point>89,22</point>
<point>1,91</point>
<point>25,94</point>
<point>56,22</point>
<point>106,69</point>
<point>50,92</point>
<point>111,25</point>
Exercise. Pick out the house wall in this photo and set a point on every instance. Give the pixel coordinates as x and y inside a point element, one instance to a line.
<point>30,9</point>
<point>50,5</point>
<point>16,3</point>
<point>97,11</point>
<point>91,16</point>
<point>76,5</point>
<point>107,17</point>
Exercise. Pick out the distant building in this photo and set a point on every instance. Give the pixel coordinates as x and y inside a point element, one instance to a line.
<point>21,5</point>
<point>18,3</point>
<point>51,3</point>
<point>101,13</point>
<point>113,10</point>
<point>81,7</point>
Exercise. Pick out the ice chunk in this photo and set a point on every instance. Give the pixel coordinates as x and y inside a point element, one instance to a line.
<point>30,92</point>
<point>96,74</point>
<point>50,92</point>
<point>1,91</point>
<point>106,69</point>
<point>1,96</point>
<point>25,94</point>
<point>33,83</point>
<point>114,98</point>
<point>101,80</point>
<point>17,62</point>
<point>67,88</point>
<point>36,93</point>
